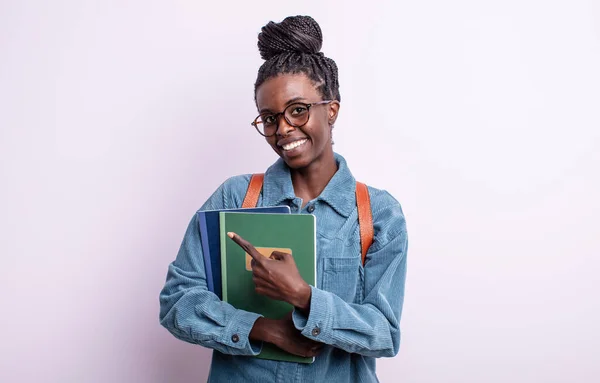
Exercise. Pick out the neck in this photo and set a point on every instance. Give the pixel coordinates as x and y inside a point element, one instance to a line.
<point>309,182</point>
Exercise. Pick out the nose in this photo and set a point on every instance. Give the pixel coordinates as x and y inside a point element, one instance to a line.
<point>283,128</point>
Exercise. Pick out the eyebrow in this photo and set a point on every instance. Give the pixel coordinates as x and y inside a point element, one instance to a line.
<point>290,101</point>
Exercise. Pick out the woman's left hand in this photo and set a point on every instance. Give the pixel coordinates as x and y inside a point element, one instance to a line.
<point>277,277</point>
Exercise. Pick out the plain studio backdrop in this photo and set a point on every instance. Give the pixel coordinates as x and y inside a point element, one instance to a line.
<point>119,118</point>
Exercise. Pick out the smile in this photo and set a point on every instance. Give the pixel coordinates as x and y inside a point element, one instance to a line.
<point>295,144</point>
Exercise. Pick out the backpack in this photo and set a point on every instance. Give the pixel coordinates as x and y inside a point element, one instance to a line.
<point>363,203</point>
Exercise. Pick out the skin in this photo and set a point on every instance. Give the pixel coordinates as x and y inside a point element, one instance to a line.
<point>312,166</point>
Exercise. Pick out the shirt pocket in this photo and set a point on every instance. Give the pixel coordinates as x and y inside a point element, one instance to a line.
<point>343,277</point>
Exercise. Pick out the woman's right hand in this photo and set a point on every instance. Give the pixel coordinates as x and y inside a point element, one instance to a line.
<point>283,334</point>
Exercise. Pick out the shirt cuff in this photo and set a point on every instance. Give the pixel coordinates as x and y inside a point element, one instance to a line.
<point>299,320</point>
<point>236,334</point>
<point>318,324</point>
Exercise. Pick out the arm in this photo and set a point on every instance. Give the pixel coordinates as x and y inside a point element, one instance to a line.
<point>283,334</point>
<point>192,313</point>
<point>370,328</point>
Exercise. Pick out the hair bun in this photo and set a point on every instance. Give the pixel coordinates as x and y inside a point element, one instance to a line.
<point>295,34</point>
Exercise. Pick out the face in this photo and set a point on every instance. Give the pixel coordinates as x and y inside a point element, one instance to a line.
<point>310,144</point>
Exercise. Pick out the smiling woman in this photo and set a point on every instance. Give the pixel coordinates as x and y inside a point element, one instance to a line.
<point>303,137</point>
<point>352,317</point>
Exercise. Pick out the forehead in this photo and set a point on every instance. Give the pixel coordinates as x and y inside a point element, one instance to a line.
<point>277,91</point>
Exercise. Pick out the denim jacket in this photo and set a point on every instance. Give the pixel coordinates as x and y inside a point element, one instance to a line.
<point>354,310</point>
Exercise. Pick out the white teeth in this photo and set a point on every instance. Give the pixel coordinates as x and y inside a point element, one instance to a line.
<point>295,144</point>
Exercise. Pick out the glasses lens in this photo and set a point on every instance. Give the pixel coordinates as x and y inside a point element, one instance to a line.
<point>266,124</point>
<point>296,114</point>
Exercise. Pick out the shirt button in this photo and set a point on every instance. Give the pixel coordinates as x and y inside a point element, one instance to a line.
<point>311,208</point>
<point>316,331</point>
<point>235,338</point>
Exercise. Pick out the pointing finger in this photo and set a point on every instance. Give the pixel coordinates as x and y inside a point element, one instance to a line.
<point>247,246</point>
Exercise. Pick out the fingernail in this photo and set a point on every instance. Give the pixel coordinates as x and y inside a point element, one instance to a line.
<point>230,234</point>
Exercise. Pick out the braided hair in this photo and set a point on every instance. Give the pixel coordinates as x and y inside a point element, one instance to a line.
<point>293,46</point>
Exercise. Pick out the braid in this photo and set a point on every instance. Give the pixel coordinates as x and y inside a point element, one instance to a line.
<point>293,46</point>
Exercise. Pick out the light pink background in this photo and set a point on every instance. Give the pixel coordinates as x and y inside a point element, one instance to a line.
<point>119,118</point>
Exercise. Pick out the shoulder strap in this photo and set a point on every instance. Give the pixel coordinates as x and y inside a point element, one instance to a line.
<point>253,192</point>
<point>363,203</point>
<point>365,218</point>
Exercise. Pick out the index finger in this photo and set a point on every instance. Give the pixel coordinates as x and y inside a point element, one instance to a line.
<point>250,249</point>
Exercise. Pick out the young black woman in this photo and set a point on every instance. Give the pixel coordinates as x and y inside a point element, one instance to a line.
<point>353,316</point>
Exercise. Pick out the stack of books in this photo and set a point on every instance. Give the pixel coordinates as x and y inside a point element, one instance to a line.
<point>228,270</point>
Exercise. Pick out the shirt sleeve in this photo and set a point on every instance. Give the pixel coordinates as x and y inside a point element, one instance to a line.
<point>196,315</point>
<point>371,327</point>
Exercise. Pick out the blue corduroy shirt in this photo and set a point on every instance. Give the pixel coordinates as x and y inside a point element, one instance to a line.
<point>354,310</point>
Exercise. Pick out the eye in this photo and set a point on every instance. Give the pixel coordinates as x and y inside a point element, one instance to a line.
<point>269,119</point>
<point>299,110</point>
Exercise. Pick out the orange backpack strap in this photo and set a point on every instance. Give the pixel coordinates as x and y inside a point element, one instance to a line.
<point>253,192</point>
<point>365,219</point>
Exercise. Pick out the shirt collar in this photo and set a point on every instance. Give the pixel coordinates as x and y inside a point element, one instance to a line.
<point>339,192</point>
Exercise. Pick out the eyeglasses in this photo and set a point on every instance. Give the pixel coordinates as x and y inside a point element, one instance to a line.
<point>295,115</point>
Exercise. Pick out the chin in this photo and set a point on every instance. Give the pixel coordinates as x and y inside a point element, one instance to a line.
<point>296,163</point>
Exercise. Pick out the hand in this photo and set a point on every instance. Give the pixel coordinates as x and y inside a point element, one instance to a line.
<point>283,334</point>
<point>277,277</point>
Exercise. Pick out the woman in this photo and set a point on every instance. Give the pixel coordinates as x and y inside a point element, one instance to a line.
<point>353,315</point>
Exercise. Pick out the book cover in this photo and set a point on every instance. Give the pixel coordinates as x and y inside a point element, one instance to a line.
<point>291,233</point>
<point>208,221</point>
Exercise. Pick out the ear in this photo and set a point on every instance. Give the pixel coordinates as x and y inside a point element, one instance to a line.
<point>332,112</point>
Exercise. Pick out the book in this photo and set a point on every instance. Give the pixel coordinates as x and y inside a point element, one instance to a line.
<point>291,233</point>
<point>210,238</point>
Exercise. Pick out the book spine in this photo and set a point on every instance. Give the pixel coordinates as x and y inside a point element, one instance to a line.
<point>206,251</point>
<point>223,255</point>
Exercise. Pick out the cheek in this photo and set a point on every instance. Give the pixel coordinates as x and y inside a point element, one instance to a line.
<point>321,132</point>
<point>319,127</point>
<point>272,141</point>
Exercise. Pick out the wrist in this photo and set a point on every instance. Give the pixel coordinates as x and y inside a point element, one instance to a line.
<point>303,298</point>
<point>268,330</point>
<point>259,331</point>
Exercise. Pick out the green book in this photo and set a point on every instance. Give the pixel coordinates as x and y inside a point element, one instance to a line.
<point>290,233</point>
